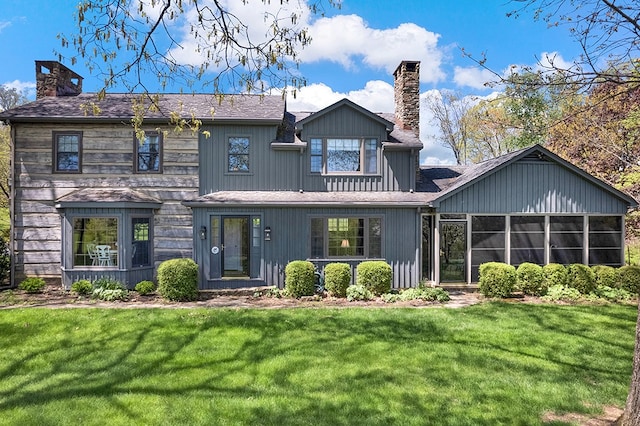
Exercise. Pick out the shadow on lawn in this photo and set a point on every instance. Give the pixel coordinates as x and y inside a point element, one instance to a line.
<point>289,366</point>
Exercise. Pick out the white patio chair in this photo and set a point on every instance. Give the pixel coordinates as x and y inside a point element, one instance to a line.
<point>103,253</point>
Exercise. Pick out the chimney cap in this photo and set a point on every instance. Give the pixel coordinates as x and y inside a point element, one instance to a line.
<point>410,66</point>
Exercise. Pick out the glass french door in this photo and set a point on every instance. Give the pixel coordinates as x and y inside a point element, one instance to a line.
<point>453,244</point>
<point>235,246</point>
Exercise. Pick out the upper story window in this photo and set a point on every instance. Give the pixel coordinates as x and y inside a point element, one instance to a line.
<point>238,155</point>
<point>67,152</point>
<point>148,153</point>
<point>338,156</point>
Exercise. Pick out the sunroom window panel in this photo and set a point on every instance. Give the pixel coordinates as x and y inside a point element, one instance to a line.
<point>95,241</point>
<point>605,240</point>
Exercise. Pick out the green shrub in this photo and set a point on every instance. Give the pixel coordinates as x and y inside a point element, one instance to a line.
<point>581,278</point>
<point>299,278</point>
<point>5,261</point>
<point>427,294</point>
<point>178,280</point>
<point>497,279</point>
<point>606,276</point>
<point>358,292</point>
<point>557,293</point>
<point>375,275</point>
<point>630,278</point>
<point>555,274</point>
<point>530,279</point>
<point>82,287</point>
<point>32,285</point>
<point>337,277</point>
<point>109,289</point>
<point>612,294</point>
<point>145,287</point>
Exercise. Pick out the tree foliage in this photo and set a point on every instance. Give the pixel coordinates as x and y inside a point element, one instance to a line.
<point>9,98</point>
<point>231,45</point>
<point>449,110</point>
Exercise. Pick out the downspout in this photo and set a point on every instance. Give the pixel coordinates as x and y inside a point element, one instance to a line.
<point>12,197</point>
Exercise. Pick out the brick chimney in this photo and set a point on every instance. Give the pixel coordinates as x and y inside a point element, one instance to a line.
<point>407,95</point>
<point>54,79</point>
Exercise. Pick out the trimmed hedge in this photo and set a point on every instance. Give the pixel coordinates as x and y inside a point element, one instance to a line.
<point>530,279</point>
<point>554,275</point>
<point>497,279</point>
<point>630,278</point>
<point>178,280</point>
<point>337,277</point>
<point>299,278</point>
<point>582,278</point>
<point>607,276</point>
<point>145,287</point>
<point>374,275</point>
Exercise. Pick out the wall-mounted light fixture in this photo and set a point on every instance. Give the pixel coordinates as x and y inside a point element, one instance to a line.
<point>203,232</point>
<point>267,233</point>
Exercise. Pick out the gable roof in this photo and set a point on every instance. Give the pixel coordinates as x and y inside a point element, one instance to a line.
<point>474,173</point>
<point>118,106</point>
<point>345,102</point>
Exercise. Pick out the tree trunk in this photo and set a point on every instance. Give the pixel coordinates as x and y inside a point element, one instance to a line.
<point>631,416</point>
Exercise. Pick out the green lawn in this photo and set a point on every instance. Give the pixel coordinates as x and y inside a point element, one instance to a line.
<point>495,363</point>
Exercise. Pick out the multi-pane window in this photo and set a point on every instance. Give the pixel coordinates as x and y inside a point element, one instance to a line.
<point>605,240</point>
<point>141,242</point>
<point>148,153</point>
<point>346,237</point>
<point>238,154</point>
<point>95,241</point>
<point>67,152</point>
<point>344,156</point>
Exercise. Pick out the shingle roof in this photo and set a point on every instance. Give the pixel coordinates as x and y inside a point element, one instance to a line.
<point>107,195</point>
<point>118,106</point>
<point>297,198</point>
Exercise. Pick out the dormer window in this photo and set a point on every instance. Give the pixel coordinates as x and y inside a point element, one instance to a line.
<point>344,156</point>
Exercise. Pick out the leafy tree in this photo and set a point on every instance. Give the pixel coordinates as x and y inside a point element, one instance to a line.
<point>9,98</point>
<point>449,111</point>
<point>181,42</point>
<point>608,32</point>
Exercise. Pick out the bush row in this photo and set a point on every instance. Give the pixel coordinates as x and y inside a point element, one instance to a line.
<point>373,278</point>
<point>300,278</point>
<point>501,280</point>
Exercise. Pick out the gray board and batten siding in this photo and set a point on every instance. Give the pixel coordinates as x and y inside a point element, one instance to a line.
<point>290,240</point>
<point>532,185</point>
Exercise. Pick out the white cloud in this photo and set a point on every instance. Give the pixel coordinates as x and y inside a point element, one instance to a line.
<point>474,77</point>
<point>376,96</point>
<point>347,39</point>
<point>553,60</point>
<point>4,24</point>
<point>27,88</point>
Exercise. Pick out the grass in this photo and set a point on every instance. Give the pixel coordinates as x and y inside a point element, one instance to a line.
<point>495,363</point>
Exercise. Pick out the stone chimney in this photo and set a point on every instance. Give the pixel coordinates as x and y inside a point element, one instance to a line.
<point>407,95</point>
<point>54,79</point>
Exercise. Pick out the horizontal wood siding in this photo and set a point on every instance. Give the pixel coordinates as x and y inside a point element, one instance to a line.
<point>107,161</point>
<point>533,187</point>
<point>290,240</point>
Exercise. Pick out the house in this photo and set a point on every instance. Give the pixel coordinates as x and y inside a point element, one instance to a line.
<point>259,186</point>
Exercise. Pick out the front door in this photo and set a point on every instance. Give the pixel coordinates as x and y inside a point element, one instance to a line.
<point>235,247</point>
<point>453,243</point>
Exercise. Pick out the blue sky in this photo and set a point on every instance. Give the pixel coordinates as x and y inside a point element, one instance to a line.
<point>355,49</point>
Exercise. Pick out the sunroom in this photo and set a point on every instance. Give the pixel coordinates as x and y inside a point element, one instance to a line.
<point>107,233</point>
